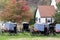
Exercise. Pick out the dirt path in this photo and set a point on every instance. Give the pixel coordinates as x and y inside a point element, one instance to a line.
<point>35,38</point>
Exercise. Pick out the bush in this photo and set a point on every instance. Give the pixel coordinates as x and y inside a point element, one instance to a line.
<point>31,22</point>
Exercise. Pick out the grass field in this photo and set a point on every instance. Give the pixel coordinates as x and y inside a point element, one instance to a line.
<point>28,36</point>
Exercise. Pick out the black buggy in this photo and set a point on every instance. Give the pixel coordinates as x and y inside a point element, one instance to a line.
<point>25,26</point>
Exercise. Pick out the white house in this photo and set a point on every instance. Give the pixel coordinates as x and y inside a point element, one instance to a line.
<point>44,14</point>
<point>54,2</point>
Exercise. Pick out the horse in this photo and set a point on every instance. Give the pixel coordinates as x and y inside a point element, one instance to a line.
<point>52,27</point>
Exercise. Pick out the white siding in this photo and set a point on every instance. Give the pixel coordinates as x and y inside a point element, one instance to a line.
<point>38,15</point>
<point>52,19</point>
<point>43,20</point>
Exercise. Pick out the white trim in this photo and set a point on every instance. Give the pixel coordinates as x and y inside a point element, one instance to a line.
<point>38,16</point>
<point>38,13</point>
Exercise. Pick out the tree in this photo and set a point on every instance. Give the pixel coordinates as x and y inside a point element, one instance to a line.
<point>57,14</point>
<point>3,3</point>
<point>16,11</point>
<point>57,17</point>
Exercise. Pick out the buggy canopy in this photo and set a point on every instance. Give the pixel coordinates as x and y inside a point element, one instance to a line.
<point>9,25</point>
<point>57,27</point>
<point>39,27</point>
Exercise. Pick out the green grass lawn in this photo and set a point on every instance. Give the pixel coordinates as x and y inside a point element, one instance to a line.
<point>28,36</point>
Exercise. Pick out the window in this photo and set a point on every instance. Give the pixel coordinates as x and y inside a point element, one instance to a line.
<point>48,20</point>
